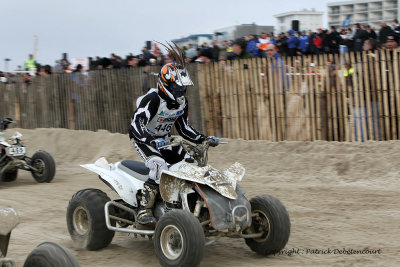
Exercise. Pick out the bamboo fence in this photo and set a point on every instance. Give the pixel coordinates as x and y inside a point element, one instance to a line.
<point>297,99</point>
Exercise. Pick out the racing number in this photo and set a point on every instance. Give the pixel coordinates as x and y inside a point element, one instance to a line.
<point>165,128</point>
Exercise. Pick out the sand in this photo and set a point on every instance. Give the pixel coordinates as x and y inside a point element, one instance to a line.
<point>341,197</point>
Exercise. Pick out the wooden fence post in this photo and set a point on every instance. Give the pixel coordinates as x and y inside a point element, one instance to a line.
<point>72,114</point>
<point>17,110</point>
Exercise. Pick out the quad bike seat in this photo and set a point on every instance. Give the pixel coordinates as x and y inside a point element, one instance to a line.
<point>135,168</point>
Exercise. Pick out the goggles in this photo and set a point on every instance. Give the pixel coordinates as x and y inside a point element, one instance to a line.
<point>177,90</point>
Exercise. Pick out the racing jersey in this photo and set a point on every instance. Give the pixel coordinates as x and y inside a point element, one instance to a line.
<point>154,118</point>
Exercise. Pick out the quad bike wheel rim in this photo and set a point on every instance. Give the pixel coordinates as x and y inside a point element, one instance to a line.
<point>39,165</point>
<point>171,241</point>
<point>262,224</point>
<point>80,220</point>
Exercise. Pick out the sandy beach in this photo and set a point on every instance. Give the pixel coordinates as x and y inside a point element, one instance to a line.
<point>343,199</point>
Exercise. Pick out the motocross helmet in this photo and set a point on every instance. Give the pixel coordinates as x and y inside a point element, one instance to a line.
<point>5,122</point>
<point>173,78</point>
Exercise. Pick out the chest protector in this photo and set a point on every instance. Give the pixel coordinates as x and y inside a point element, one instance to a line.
<point>163,121</point>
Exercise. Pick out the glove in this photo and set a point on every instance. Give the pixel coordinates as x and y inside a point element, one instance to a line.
<point>214,140</point>
<point>158,143</point>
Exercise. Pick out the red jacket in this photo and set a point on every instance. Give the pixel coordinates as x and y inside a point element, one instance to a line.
<point>317,42</point>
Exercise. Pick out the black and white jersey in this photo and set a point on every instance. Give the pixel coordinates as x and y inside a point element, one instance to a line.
<point>154,119</point>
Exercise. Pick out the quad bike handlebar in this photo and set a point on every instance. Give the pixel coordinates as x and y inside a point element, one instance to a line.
<point>199,152</point>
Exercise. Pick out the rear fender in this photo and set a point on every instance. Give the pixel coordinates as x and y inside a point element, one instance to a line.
<point>123,184</point>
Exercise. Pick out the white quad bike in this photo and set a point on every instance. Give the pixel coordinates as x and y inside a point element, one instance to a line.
<point>13,157</point>
<point>196,202</point>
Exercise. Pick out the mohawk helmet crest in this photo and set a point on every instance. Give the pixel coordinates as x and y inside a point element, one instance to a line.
<point>173,78</point>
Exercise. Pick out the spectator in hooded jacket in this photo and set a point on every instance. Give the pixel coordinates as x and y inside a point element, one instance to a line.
<point>215,51</point>
<point>315,43</point>
<point>359,37</point>
<point>292,43</point>
<point>303,43</point>
<point>371,32</point>
<point>334,40</point>
<point>281,44</point>
<point>384,32</point>
<point>325,41</point>
<point>396,28</point>
<point>252,45</point>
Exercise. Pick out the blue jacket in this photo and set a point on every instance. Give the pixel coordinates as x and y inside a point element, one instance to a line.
<point>303,42</point>
<point>252,47</point>
<point>292,41</point>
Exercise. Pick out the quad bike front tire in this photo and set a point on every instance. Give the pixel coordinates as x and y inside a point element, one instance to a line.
<point>270,217</point>
<point>179,239</point>
<point>49,254</point>
<point>9,176</point>
<point>45,165</point>
<point>86,219</point>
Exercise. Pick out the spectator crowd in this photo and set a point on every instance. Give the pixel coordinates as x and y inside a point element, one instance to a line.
<point>323,41</point>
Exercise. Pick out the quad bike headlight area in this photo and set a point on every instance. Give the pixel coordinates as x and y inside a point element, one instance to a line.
<point>338,195</point>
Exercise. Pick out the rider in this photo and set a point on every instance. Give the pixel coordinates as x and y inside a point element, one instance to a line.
<point>159,110</point>
<point>4,123</point>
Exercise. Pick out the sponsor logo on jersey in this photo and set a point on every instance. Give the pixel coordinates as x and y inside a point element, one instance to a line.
<point>168,119</point>
<point>166,115</point>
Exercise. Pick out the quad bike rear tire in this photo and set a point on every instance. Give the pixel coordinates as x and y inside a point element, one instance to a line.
<point>46,166</point>
<point>86,219</point>
<point>179,239</point>
<point>9,176</point>
<point>272,218</point>
<point>49,254</point>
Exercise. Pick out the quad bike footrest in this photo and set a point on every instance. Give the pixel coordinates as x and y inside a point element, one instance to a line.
<point>110,217</point>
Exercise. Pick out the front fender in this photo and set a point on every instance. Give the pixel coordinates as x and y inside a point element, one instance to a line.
<point>171,187</point>
<point>224,183</point>
<point>226,213</point>
<point>5,144</point>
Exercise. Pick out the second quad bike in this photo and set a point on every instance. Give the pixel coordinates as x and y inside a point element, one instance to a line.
<point>196,203</point>
<point>13,157</point>
<point>47,254</point>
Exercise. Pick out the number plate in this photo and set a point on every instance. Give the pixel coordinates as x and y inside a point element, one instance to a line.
<point>16,150</point>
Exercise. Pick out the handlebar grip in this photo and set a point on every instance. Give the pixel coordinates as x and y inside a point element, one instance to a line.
<point>212,143</point>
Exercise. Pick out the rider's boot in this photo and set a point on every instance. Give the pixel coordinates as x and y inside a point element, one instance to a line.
<point>149,194</point>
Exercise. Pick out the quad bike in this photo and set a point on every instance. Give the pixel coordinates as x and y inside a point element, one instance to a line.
<point>196,202</point>
<point>13,157</point>
<point>47,254</point>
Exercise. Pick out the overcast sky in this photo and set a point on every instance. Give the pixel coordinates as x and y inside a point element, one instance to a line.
<point>85,28</point>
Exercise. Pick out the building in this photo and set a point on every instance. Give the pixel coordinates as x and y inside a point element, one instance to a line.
<point>307,20</point>
<point>371,12</point>
<point>194,39</point>
<point>238,31</point>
